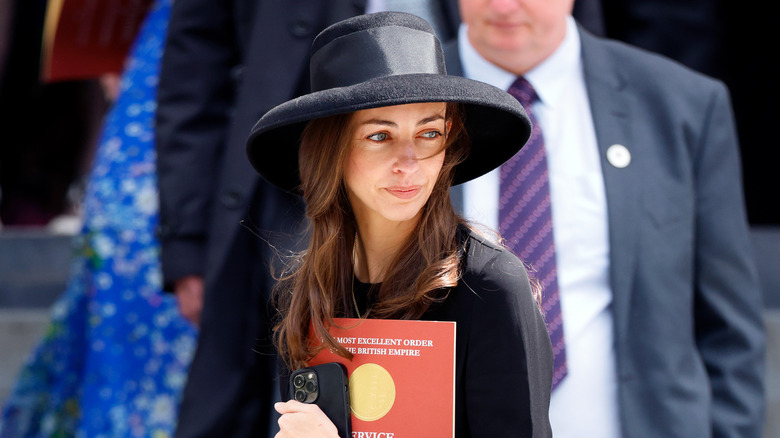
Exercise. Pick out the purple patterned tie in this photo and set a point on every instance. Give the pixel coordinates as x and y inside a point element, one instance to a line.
<point>525,222</point>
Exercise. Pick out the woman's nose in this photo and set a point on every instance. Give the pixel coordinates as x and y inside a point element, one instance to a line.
<point>406,157</point>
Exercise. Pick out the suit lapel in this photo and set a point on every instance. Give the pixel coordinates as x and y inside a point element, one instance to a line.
<point>452,58</point>
<point>612,118</point>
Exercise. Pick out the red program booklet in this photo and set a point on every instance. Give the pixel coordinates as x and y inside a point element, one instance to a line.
<point>86,38</point>
<point>401,378</point>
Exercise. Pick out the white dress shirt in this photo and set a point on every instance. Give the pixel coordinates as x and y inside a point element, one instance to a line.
<point>585,402</point>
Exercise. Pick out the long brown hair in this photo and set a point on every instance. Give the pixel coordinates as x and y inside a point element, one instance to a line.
<point>318,286</point>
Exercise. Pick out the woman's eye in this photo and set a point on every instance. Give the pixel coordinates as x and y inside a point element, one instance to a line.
<point>379,136</point>
<point>431,134</point>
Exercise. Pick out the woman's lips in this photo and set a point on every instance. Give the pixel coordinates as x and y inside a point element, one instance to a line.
<point>405,192</point>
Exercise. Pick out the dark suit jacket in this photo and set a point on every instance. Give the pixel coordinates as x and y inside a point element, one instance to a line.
<point>226,63</point>
<point>686,304</point>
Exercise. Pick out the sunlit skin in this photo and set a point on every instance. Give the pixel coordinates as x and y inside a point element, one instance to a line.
<point>515,35</point>
<point>394,161</point>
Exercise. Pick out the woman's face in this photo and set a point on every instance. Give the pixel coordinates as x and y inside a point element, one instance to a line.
<point>395,157</point>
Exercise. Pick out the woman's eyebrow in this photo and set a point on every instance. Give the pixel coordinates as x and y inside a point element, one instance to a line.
<point>390,123</point>
<point>380,122</point>
<point>430,119</point>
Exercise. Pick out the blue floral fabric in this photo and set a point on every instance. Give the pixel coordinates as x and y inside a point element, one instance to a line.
<point>114,359</point>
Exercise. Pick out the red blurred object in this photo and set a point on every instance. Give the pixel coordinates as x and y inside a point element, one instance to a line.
<point>85,39</point>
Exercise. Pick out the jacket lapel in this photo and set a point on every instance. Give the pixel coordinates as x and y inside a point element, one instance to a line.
<point>612,118</point>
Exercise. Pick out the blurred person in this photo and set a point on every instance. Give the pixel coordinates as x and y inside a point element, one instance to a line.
<point>226,63</point>
<point>374,150</point>
<point>114,358</point>
<point>637,189</point>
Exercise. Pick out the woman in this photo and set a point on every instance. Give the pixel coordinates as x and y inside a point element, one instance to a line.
<point>374,150</point>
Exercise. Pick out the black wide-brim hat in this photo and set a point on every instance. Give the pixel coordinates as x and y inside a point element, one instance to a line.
<point>386,59</point>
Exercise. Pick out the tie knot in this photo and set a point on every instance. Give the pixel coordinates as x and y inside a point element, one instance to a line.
<point>523,91</point>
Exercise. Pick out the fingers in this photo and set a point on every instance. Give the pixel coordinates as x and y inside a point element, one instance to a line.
<point>303,420</point>
<point>294,406</point>
<point>189,295</point>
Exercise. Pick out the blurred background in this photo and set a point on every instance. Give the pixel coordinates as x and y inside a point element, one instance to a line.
<point>48,133</point>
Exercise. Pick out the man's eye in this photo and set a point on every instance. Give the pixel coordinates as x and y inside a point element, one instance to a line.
<point>431,134</point>
<point>379,136</point>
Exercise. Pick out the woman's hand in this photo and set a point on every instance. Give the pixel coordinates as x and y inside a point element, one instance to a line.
<point>189,294</point>
<point>303,420</point>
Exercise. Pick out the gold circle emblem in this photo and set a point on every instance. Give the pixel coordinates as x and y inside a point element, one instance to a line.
<point>371,392</point>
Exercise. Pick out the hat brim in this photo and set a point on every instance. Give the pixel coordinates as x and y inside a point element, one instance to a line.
<point>496,123</point>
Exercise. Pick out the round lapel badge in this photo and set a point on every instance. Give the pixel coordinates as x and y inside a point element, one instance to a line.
<point>618,156</point>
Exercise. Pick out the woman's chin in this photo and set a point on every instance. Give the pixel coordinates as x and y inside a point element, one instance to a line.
<point>403,215</point>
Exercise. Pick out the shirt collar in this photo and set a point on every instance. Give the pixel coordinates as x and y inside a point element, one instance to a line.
<point>548,78</point>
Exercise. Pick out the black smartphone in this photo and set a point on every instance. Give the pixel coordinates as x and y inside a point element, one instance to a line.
<point>325,385</point>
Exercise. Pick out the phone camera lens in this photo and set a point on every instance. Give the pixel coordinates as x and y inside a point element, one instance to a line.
<point>298,381</point>
<point>300,395</point>
<point>311,386</point>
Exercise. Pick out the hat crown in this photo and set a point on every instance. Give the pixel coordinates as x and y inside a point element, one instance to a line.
<point>371,46</point>
<point>369,21</point>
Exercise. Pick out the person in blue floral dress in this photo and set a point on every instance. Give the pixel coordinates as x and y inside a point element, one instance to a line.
<point>114,359</point>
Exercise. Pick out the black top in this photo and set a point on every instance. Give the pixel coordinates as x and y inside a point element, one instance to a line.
<point>503,356</point>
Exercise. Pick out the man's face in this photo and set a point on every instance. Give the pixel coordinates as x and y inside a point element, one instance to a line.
<point>501,29</point>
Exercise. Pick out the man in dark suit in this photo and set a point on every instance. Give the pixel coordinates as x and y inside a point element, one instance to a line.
<point>659,297</point>
<point>226,63</point>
